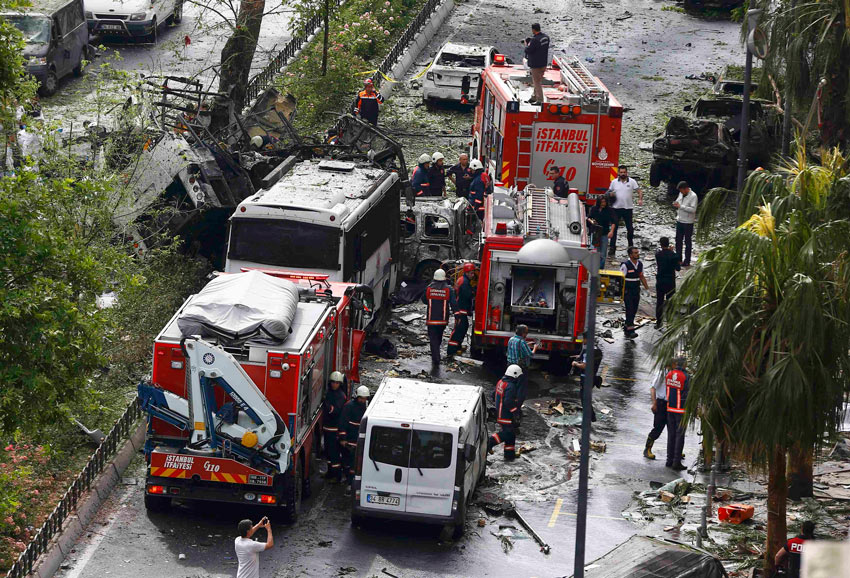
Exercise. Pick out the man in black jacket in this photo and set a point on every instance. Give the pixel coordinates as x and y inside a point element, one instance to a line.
<point>349,430</point>
<point>537,55</point>
<point>667,262</point>
<point>335,399</point>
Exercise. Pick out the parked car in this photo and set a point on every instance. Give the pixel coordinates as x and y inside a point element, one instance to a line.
<point>765,123</point>
<point>132,18</point>
<point>702,152</point>
<point>56,40</point>
<point>433,232</point>
<point>455,73</point>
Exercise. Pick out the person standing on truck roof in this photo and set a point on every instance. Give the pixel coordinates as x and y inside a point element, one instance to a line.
<point>349,430</point>
<point>792,552</point>
<point>368,102</point>
<point>480,187</point>
<point>632,268</point>
<point>678,382</point>
<point>667,263</point>
<point>537,55</point>
<point>622,190</point>
<point>461,176</point>
<point>602,218</point>
<point>439,297</point>
<point>658,392</point>
<point>465,296</point>
<point>248,551</point>
<point>686,215</point>
<point>335,400</point>
<point>437,176</point>
<point>519,353</point>
<point>507,407</point>
<point>560,186</point>
<point>419,179</point>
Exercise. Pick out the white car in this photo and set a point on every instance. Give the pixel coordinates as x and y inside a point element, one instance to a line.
<point>131,18</point>
<point>455,73</point>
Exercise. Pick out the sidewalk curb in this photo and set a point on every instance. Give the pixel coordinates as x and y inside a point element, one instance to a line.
<point>418,44</point>
<point>50,562</point>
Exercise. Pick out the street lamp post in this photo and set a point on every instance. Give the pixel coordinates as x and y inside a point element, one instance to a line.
<point>752,22</point>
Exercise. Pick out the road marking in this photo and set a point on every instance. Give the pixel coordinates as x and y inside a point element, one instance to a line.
<point>555,513</point>
<point>591,516</point>
<point>623,378</point>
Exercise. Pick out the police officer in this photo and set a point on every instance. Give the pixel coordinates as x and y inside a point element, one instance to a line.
<point>439,297</point>
<point>463,310</point>
<point>368,102</point>
<point>560,186</point>
<point>678,382</point>
<point>419,179</point>
<point>506,409</point>
<point>335,400</point>
<point>480,187</point>
<point>349,429</point>
<point>792,552</point>
<point>437,176</point>
<point>632,268</point>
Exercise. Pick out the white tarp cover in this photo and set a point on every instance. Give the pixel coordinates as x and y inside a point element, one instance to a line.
<point>242,307</point>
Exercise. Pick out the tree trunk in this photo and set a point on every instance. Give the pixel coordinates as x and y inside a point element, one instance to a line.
<point>325,39</point>
<point>777,492</point>
<point>236,58</point>
<point>835,114</point>
<point>800,472</point>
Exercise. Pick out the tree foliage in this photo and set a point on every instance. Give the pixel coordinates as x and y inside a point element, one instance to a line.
<point>15,84</point>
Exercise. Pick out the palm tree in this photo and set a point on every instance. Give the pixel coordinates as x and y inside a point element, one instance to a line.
<point>766,320</point>
<point>810,40</point>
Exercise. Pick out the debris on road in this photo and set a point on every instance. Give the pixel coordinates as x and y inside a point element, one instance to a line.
<point>544,547</point>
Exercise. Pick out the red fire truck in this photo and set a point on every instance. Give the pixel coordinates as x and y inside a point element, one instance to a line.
<point>577,129</point>
<point>234,416</point>
<point>527,276</point>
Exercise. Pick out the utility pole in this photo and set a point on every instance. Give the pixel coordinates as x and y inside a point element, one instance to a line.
<point>592,264</point>
<point>752,39</point>
<point>789,100</point>
<point>325,40</point>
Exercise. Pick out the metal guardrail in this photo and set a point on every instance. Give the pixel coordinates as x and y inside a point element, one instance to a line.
<point>407,36</point>
<point>99,460</point>
<point>264,79</point>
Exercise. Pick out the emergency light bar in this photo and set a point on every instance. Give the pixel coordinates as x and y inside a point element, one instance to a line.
<point>498,60</point>
<point>574,110</point>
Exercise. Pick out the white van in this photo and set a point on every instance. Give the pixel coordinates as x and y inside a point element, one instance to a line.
<point>421,453</point>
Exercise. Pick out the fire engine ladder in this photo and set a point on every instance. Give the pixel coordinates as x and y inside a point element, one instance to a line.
<point>536,219</point>
<point>581,81</point>
<point>524,154</point>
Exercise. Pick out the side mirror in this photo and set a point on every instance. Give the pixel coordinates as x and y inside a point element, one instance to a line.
<point>469,452</point>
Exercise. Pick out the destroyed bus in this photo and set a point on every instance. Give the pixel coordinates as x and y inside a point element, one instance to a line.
<point>527,276</point>
<point>322,216</point>
<point>577,129</point>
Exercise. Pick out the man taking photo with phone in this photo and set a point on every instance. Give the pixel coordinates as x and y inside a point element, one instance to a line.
<point>248,551</point>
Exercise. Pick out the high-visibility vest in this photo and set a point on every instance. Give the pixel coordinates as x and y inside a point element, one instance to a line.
<point>677,381</point>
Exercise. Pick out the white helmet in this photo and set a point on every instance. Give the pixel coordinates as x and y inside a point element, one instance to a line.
<point>424,158</point>
<point>337,376</point>
<point>257,141</point>
<point>440,275</point>
<point>475,164</point>
<point>363,391</point>
<point>513,371</point>
<point>437,156</point>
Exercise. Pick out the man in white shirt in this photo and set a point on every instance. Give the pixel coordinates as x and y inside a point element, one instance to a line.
<point>248,551</point>
<point>686,203</point>
<point>623,189</point>
<point>658,391</point>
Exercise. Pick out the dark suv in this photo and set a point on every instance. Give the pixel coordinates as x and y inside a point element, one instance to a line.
<point>765,124</point>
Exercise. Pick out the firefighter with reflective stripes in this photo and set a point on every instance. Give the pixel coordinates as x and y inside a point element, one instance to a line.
<point>677,382</point>
<point>439,298</point>
<point>419,181</point>
<point>506,410</point>
<point>335,400</point>
<point>464,307</point>
<point>480,187</point>
<point>349,430</point>
<point>368,102</point>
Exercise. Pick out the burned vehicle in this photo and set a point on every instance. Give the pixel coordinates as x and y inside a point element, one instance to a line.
<point>646,557</point>
<point>455,73</point>
<point>765,123</point>
<point>702,152</point>
<point>435,232</point>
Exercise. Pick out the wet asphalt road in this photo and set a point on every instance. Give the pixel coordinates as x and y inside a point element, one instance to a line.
<point>649,45</point>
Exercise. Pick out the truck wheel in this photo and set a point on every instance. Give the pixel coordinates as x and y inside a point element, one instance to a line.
<point>151,38</point>
<point>294,493</point>
<point>425,270</point>
<point>672,191</point>
<point>654,174</point>
<point>475,350</point>
<point>157,503</point>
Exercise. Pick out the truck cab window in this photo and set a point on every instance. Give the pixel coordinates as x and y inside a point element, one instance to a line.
<point>431,449</point>
<point>436,226</point>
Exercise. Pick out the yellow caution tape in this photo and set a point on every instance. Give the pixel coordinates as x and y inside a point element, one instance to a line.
<point>388,79</point>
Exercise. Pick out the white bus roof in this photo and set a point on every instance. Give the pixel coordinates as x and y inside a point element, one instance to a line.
<point>324,187</point>
<point>444,404</point>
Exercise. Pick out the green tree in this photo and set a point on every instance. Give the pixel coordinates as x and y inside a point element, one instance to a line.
<point>765,318</point>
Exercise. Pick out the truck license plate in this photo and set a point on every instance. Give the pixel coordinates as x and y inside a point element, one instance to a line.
<point>382,500</point>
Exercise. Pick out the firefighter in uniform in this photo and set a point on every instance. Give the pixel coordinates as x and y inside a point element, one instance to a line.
<point>793,549</point>
<point>480,187</point>
<point>677,383</point>
<point>439,298</point>
<point>463,310</point>
<point>349,430</point>
<point>419,179</point>
<point>506,409</point>
<point>560,186</point>
<point>632,268</point>
<point>335,400</point>
<point>437,176</point>
<point>368,101</point>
